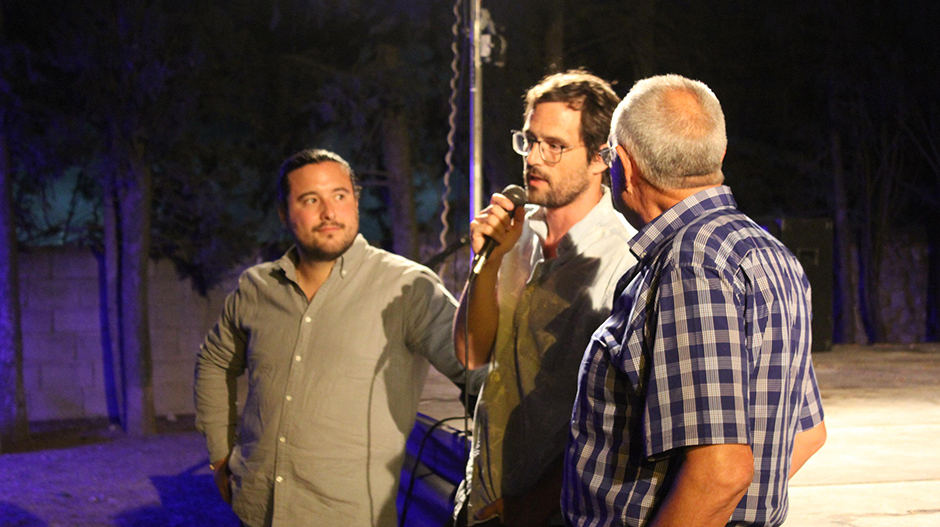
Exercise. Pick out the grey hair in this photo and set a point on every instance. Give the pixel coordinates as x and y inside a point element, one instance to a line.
<point>674,129</point>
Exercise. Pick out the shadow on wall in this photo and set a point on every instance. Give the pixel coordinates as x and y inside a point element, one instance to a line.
<point>14,516</point>
<point>186,499</point>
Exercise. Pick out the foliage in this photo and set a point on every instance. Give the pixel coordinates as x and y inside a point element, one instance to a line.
<point>220,92</point>
<point>224,90</point>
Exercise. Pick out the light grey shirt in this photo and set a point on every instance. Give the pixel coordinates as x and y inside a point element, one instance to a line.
<point>333,386</point>
<point>548,309</point>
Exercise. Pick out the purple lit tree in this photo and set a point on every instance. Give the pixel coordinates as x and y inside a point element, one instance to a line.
<point>129,63</point>
<point>13,422</point>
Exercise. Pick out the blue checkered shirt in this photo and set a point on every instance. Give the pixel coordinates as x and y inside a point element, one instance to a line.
<point>709,343</point>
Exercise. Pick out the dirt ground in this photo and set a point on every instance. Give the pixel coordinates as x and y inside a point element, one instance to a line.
<point>90,475</point>
<point>87,474</point>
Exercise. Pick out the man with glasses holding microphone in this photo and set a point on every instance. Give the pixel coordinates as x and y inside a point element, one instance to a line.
<point>538,297</point>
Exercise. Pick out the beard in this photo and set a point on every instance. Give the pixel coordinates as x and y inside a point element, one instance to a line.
<point>326,250</point>
<point>561,191</point>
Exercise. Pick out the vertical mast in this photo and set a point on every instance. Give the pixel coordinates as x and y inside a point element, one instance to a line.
<point>476,113</point>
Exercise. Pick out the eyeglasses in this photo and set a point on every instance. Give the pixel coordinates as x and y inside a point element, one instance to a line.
<point>608,153</point>
<point>550,152</point>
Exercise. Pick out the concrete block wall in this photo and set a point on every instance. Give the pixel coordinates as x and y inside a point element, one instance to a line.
<point>179,320</point>
<point>63,357</point>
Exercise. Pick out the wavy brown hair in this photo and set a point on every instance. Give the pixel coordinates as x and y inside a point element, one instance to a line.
<point>580,90</point>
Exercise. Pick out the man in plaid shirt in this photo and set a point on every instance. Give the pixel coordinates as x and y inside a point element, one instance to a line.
<point>696,398</point>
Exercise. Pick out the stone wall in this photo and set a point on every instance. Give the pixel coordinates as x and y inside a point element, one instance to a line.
<point>903,291</point>
<point>64,362</point>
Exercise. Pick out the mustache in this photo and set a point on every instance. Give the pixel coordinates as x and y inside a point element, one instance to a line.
<point>330,225</point>
<point>535,172</point>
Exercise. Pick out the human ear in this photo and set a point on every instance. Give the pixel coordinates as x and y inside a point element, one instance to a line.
<point>628,169</point>
<point>597,166</point>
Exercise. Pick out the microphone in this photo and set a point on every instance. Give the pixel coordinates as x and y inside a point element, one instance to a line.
<point>517,196</point>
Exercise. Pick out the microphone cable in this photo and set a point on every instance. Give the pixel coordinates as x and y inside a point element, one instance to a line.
<point>414,469</point>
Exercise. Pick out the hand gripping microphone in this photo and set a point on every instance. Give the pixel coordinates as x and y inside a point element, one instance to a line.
<point>517,196</point>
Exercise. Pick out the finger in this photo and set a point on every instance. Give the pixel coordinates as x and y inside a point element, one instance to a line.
<point>502,202</point>
<point>496,210</point>
<point>221,483</point>
<point>228,490</point>
<point>496,226</point>
<point>492,221</point>
<point>476,236</point>
<point>493,509</point>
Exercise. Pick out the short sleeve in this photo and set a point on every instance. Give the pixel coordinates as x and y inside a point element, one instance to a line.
<point>697,386</point>
<point>811,414</point>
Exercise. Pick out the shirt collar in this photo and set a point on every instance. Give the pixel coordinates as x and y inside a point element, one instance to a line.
<point>345,264</point>
<point>679,215</point>
<point>580,232</point>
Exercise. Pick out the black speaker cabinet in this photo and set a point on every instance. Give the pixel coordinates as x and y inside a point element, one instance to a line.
<point>810,239</point>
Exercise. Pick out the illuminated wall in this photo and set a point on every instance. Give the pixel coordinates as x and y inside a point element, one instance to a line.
<point>64,368</point>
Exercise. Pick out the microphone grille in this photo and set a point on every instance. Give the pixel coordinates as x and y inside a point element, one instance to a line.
<point>516,195</point>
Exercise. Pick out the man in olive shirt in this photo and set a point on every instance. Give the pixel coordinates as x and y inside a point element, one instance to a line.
<point>336,337</point>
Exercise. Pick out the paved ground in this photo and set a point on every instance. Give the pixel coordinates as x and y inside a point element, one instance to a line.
<point>881,463</point>
<point>879,468</point>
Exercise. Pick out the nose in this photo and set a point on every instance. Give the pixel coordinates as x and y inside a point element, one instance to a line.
<point>532,152</point>
<point>328,210</point>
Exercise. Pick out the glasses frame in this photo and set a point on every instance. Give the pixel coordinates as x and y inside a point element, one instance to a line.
<point>519,142</point>
<point>608,154</point>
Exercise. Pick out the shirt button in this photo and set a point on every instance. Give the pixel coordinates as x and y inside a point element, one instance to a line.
<point>281,439</point>
<point>289,398</point>
<point>279,479</point>
<point>297,358</point>
<point>307,319</point>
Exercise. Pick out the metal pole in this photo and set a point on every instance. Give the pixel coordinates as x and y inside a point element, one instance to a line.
<point>476,112</point>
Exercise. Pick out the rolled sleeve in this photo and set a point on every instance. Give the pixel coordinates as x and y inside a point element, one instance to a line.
<point>429,324</point>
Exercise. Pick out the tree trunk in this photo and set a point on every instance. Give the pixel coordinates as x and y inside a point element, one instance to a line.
<point>870,242</point>
<point>890,170</point>
<point>846,305</point>
<point>868,273</point>
<point>396,154</point>
<point>13,423</point>
<point>109,294</point>
<point>134,213</point>
<point>555,35</point>
<point>933,284</point>
<point>863,258</point>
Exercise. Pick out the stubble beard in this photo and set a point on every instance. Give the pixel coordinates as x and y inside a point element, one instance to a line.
<point>314,251</point>
<point>556,195</point>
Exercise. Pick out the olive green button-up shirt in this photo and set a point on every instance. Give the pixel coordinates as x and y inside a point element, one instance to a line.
<point>333,386</point>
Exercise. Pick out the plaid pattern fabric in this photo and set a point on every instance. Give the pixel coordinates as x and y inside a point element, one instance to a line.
<point>708,343</point>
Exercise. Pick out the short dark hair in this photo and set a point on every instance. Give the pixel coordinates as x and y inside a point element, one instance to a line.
<point>309,156</point>
<point>582,91</point>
